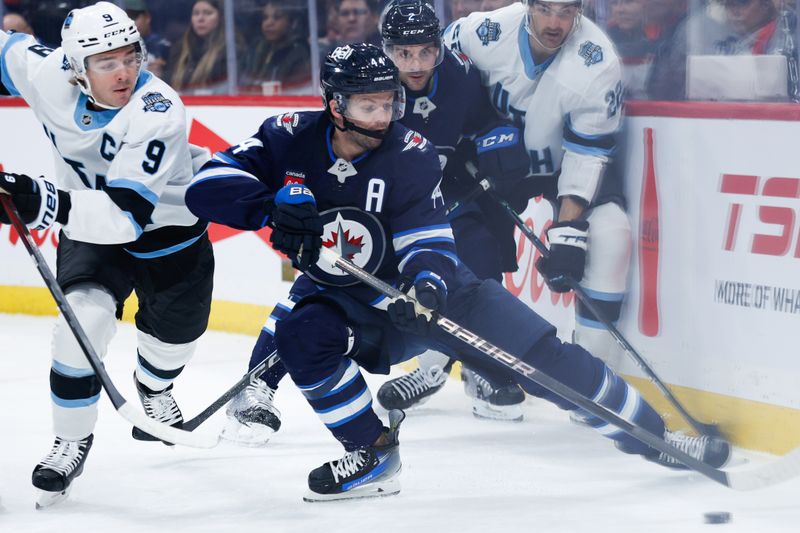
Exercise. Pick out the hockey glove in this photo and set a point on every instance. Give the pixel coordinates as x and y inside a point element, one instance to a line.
<point>416,311</point>
<point>567,254</point>
<point>296,226</point>
<point>502,158</point>
<point>38,201</point>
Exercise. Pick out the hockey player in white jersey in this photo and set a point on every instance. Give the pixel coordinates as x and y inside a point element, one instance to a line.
<point>554,71</point>
<point>122,164</point>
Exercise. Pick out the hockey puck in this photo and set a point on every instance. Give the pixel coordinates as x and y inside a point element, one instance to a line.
<point>717,518</point>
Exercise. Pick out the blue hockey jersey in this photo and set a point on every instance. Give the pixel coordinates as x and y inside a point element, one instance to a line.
<point>383,210</point>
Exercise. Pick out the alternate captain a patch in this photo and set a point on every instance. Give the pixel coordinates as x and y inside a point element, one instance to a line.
<point>591,53</point>
<point>156,102</point>
<point>488,31</point>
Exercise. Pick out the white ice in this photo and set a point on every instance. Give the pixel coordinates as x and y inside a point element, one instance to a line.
<point>459,473</point>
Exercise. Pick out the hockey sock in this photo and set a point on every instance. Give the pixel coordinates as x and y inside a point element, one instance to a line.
<point>344,404</point>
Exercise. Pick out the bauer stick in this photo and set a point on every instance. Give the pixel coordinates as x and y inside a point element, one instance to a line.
<point>711,430</point>
<point>131,414</point>
<point>238,387</point>
<point>777,471</point>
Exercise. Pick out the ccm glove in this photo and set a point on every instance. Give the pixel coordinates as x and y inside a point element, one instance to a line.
<point>567,254</point>
<point>296,226</point>
<point>502,158</point>
<point>416,311</point>
<point>38,201</point>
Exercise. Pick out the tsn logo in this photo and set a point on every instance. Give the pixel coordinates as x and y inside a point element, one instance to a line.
<point>768,191</point>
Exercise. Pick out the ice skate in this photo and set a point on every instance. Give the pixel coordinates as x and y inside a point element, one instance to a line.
<point>158,405</point>
<point>490,402</point>
<point>412,389</point>
<point>713,451</point>
<point>53,476</point>
<point>252,417</point>
<point>368,472</point>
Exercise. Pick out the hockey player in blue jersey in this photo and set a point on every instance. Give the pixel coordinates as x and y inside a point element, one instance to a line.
<point>446,101</point>
<point>370,191</point>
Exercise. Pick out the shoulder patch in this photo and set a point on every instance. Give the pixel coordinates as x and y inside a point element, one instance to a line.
<point>591,53</point>
<point>156,102</point>
<point>414,139</point>
<point>488,31</point>
<point>288,121</point>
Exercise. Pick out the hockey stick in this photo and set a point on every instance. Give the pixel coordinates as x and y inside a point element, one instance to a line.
<point>711,430</point>
<point>775,472</point>
<point>131,414</point>
<point>238,387</point>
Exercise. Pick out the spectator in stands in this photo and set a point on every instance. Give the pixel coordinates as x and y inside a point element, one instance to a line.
<point>198,64</point>
<point>744,27</point>
<point>627,29</point>
<point>356,22</point>
<point>16,22</point>
<point>283,54</point>
<point>157,46</point>
<point>330,33</point>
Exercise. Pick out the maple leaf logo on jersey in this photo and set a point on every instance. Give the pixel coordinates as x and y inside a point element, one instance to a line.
<point>348,246</point>
<point>288,121</point>
<point>413,139</point>
<point>156,102</point>
<point>488,31</point>
<point>591,53</point>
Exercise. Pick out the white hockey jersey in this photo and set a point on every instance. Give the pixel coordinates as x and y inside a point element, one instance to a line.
<point>570,105</point>
<point>126,169</point>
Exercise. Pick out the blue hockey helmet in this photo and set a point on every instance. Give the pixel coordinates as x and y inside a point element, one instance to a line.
<point>408,23</point>
<point>360,69</point>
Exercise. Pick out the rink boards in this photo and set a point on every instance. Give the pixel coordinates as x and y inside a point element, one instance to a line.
<point>713,202</point>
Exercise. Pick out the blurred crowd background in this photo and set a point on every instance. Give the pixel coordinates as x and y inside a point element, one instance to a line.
<point>671,49</point>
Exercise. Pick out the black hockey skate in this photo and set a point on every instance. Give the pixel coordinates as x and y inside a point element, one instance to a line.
<point>364,473</point>
<point>413,389</point>
<point>252,417</point>
<point>160,406</point>
<point>53,476</point>
<point>493,402</point>
<point>713,451</point>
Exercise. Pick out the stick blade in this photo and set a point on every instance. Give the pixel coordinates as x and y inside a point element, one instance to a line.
<point>165,432</point>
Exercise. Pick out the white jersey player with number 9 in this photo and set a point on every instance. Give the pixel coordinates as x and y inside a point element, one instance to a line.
<point>552,70</point>
<point>122,165</point>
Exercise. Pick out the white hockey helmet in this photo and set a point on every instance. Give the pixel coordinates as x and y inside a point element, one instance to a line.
<point>98,28</point>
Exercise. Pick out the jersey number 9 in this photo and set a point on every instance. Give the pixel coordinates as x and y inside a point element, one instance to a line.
<point>155,152</point>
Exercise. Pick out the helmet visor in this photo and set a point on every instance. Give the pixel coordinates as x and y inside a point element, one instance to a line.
<point>107,63</point>
<point>372,109</point>
<point>415,57</point>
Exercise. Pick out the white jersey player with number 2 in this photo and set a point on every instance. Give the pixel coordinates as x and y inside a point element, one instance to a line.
<point>551,69</point>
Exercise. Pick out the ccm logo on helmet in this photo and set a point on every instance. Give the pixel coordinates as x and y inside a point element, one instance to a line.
<point>113,33</point>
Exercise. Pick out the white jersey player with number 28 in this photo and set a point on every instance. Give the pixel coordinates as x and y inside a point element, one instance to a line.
<point>122,164</point>
<point>548,67</point>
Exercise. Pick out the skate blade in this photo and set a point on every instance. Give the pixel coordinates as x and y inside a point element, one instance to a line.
<point>255,436</point>
<point>45,499</point>
<point>506,413</point>
<point>373,490</point>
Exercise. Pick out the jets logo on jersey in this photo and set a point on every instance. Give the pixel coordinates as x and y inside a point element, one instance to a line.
<point>294,177</point>
<point>156,102</point>
<point>288,121</point>
<point>423,106</point>
<point>355,235</point>
<point>413,139</point>
<point>591,53</point>
<point>488,31</point>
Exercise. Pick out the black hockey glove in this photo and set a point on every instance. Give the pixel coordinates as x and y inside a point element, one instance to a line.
<point>38,201</point>
<point>567,254</point>
<point>502,158</point>
<point>425,301</point>
<point>296,226</point>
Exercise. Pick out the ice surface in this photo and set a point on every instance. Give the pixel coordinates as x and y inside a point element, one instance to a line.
<point>459,473</point>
